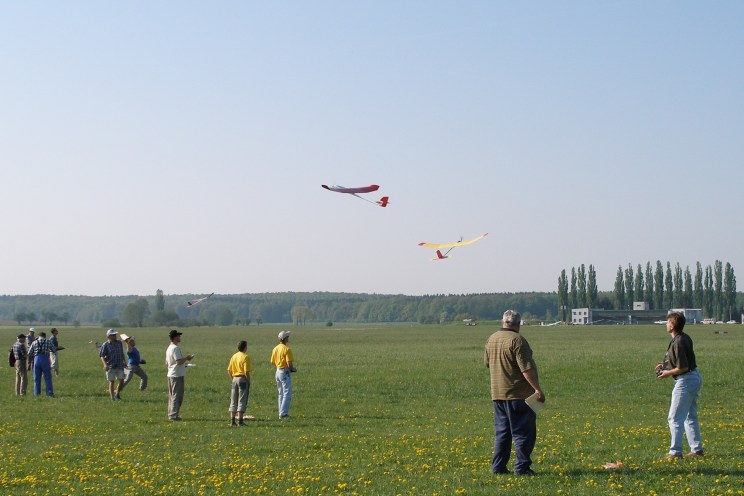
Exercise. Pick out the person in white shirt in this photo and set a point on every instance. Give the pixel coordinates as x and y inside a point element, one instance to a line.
<point>176,364</point>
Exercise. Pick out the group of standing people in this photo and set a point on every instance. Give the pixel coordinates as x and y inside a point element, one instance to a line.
<point>120,367</point>
<point>514,379</point>
<point>38,354</point>
<point>508,356</point>
<point>239,370</point>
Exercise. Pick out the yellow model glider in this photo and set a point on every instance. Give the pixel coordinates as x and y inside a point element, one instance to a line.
<point>449,246</point>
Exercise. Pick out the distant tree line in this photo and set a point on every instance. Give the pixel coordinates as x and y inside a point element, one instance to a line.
<point>295,308</point>
<point>712,289</point>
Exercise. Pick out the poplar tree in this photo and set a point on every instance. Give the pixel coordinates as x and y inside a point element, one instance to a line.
<point>649,292</point>
<point>619,290</point>
<point>573,296</point>
<point>718,295</point>
<point>688,289</point>
<point>659,286</point>
<point>729,289</point>
<point>677,299</point>
<point>159,301</point>
<point>668,287</point>
<point>708,292</point>
<point>638,289</point>
<point>629,288</point>
<point>592,293</point>
<point>563,294</point>
<point>698,297</point>
<point>582,285</point>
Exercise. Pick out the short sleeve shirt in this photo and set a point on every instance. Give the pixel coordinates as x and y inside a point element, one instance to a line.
<point>172,355</point>
<point>507,355</point>
<point>281,355</point>
<point>681,353</point>
<point>240,364</point>
<point>113,354</point>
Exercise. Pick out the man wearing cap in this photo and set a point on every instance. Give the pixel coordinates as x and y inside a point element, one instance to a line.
<point>40,350</point>
<point>283,360</point>
<point>31,336</point>
<point>176,364</point>
<point>21,376</point>
<point>133,363</point>
<point>53,357</point>
<point>112,358</point>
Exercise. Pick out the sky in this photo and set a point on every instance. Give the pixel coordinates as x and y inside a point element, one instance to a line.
<point>182,145</point>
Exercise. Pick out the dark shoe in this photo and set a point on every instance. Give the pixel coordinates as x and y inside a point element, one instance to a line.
<point>118,396</point>
<point>177,419</point>
<point>695,454</point>
<point>500,471</point>
<point>241,423</point>
<point>529,471</point>
<point>671,457</point>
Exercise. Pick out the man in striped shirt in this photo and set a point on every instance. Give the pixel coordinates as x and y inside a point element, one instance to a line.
<point>21,354</point>
<point>112,357</point>
<point>40,350</point>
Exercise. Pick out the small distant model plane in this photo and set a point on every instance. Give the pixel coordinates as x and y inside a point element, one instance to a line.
<point>383,202</point>
<point>613,466</point>
<point>441,246</point>
<point>194,302</point>
<point>543,324</point>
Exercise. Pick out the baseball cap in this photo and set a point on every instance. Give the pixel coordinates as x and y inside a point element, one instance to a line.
<point>284,335</point>
<point>174,333</point>
<point>111,332</point>
<point>31,330</point>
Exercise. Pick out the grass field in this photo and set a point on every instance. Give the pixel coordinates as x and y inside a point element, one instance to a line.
<point>377,410</point>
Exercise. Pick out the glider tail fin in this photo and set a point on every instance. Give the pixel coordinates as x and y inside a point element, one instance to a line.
<point>441,256</point>
<point>383,201</point>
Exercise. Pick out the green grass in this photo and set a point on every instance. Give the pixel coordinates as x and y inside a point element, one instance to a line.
<point>377,410</point>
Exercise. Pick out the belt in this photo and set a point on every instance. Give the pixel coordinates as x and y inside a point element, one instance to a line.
<point>679,375</point>
<point>238,376</point>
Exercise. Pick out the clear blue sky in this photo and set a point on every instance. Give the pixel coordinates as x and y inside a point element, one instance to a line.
<point>181,145</point>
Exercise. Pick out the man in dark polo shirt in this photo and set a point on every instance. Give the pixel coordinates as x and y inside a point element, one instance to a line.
<point>513,379</point>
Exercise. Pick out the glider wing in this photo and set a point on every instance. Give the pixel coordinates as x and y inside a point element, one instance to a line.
<point>440,246</point>
<point>362,189</point>
<point>194,302</point>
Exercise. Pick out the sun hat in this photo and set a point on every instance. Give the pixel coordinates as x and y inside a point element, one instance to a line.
<point>111,332</point>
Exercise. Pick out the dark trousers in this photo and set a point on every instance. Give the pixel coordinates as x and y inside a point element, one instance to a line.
<point>513,421</point>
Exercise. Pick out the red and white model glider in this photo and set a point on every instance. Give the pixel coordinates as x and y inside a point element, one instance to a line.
<point>441,246</point>
<point>383,202</point>
<point>194,302</point>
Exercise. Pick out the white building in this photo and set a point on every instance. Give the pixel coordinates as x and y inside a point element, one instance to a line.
<point>692,315</point>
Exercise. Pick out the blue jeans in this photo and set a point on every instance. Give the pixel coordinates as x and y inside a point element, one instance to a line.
<point>284,391</point>
<point>514,421</point>
<point>683,411</point>
<point>43,367</point>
